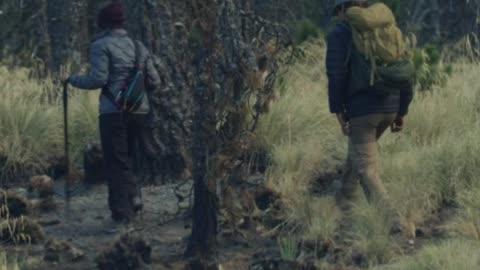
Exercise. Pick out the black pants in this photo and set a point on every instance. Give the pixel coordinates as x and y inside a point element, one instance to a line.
<point>119,136</point>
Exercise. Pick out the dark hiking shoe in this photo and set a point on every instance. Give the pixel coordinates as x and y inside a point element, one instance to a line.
<point>117,224</point>
<point>137,204</point>
<point>137,200</point>
<point>112,227</point>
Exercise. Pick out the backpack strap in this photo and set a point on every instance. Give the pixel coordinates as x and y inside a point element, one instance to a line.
<point>137,54</point>
<point>105,92</point>
<point>369,56</point>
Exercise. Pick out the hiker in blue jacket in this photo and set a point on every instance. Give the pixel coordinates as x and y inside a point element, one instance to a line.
<point>363,116</point>
<point>112,58</point>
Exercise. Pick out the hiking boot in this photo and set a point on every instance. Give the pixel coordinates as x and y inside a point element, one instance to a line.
<point>137,204</point>
<point>112,227</point>
<point>137,200</point>
<point>117,224</point>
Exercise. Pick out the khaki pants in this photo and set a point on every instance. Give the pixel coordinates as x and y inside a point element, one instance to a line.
<point>362,162</point>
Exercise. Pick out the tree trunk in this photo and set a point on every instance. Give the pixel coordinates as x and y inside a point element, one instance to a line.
<point>224,60</point>
<point>204,225</point>
<point>162,27</point>
<point>43,50</point>
<point>203,43</point>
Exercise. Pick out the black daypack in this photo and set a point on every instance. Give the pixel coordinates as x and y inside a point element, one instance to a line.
<point>130,97</point>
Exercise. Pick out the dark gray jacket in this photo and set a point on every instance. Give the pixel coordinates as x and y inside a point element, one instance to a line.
<point>112,58</point>
<point>365,102</point>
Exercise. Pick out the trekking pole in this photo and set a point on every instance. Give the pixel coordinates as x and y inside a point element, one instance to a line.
<point>66,144</point>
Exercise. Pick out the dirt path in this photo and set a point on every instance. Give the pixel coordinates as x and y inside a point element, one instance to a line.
<point>84,228</point>
<point>160,224</point>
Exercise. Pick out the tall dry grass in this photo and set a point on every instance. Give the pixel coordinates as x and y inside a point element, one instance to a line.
<point>450,255</point>
<point>31,123</point>
<point>434,161</point>
<point>299,135</point>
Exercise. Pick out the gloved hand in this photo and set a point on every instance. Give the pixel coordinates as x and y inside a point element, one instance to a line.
<point>344,123</point>
<point>397,124</point>
<point>65,80</point>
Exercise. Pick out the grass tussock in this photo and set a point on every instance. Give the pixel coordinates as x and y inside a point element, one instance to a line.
<point>7,262</point>
<point>13,205</point>
<point>322,217</point>
<point>31,123</point>
<point>450,255</point>
<point>22,230</point>
<point>466,223</point>
<point>370,229</point>
<point>433,162</point>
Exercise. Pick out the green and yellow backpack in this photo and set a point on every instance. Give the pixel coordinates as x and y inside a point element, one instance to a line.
<point>381,56</point>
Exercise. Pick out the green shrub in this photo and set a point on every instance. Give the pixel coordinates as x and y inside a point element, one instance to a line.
<point>307,30</point>
<point>429,68</point>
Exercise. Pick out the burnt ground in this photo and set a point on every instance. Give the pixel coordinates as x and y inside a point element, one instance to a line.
<point>164,224</point>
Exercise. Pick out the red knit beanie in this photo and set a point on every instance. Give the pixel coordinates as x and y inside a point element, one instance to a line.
<point>111,16</point>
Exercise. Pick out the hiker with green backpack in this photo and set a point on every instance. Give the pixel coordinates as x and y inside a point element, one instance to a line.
<point>123,69</point>
<point>370,89</point>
